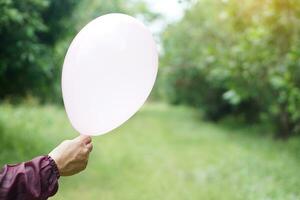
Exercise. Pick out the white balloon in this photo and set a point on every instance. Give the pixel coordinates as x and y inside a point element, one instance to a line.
<point>108,73</point>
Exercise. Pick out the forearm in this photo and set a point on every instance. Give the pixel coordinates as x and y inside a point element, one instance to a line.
<point>35,179</point>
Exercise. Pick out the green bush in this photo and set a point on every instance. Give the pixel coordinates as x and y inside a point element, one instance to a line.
<point>190,86</point>
<point>35,35</point>
<point>243,56</point>
<point>29,30</point>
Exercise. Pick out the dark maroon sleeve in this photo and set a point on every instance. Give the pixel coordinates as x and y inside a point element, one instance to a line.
<point>33,180</point>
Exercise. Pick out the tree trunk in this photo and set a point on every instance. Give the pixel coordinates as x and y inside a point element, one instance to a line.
<point>284,123</point>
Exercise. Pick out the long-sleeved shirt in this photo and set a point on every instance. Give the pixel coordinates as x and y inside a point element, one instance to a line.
<point>33,180</point>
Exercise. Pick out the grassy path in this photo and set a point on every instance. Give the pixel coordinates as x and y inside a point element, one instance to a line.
<point>163,152</point>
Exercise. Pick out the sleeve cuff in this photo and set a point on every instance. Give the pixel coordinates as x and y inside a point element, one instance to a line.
<point>54,166</point>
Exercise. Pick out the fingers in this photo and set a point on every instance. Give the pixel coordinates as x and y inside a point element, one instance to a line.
<point>84,139</point>
<point>89,147</point>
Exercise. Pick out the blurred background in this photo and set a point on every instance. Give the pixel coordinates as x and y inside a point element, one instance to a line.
<point>223,121</point>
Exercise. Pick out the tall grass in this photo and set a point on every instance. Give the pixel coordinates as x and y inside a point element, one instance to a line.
<point>163,152</point>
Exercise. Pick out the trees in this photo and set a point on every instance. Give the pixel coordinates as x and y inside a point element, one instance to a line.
<point>240,58</point>
<point>28,32</point>
<point>35,35</point>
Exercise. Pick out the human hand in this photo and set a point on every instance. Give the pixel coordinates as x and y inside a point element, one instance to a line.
<point>71,156</point>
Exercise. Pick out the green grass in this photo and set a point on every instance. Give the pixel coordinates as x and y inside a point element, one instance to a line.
<point>163,152</point>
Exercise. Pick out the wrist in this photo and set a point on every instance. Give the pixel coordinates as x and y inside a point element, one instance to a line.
<point>54,166</point>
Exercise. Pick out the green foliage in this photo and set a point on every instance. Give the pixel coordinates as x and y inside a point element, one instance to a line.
<point>246,54</point>
<point>35,35</point>
<point>28,31</point>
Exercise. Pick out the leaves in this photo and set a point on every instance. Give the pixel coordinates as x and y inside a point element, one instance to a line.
<point>247,49</point>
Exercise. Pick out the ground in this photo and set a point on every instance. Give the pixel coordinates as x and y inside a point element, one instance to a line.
<point>163,152</point>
